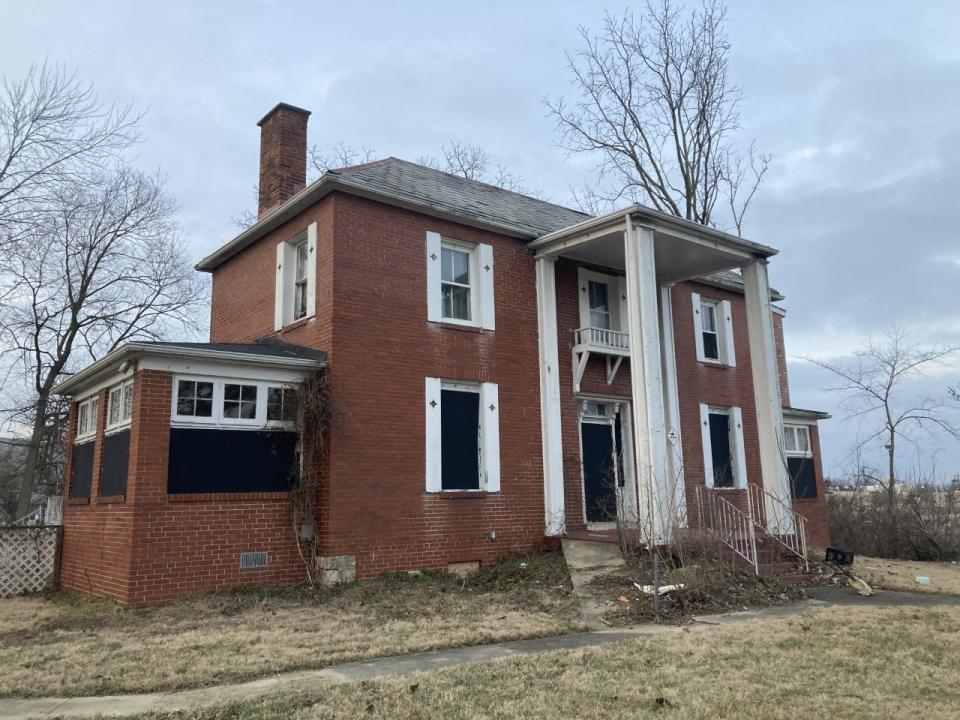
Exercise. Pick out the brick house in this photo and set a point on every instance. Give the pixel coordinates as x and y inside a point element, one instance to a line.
<point>503,370</point>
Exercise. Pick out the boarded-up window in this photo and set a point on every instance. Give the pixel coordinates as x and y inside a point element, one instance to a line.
<point>803,479</point>
<point>460,440</point>
<point>81,473</point>
<point>116,458</point>
<point>206,460</point>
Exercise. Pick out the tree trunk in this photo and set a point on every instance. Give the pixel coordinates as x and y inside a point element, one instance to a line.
<point>33,456</point>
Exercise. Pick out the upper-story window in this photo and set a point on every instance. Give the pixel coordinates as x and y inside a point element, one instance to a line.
<point>296,278</point>
<point>455,283</point>
<point>800,465</point>
<point>713,330</point>
<point>599,298</point>
<point>300,281</point>
<point>120,406</point>
<point>459,282</point>
<point>797,440</point>
<point>87,415</point>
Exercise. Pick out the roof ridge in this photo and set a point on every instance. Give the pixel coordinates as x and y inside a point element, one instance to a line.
<point>461,178</point>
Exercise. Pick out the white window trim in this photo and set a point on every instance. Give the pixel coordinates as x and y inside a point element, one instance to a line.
<point>482,302</point>
<point>92,407</point>
<point>488,434</point>
<point>616,291</point>
<point>723,314</point>
<point>124,422</point>
<point>285,280</point>
<point>217,418</point>
<point>737,448</point>
<point>808,453</point>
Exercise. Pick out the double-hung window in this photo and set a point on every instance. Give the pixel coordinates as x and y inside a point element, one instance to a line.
<point>459,282</point>
<point>87,412</point>
<point>724,456</point>
<point>800,467</point>
<point>119,406</point>
<point>462,436</point>
<point>713,331</point>
<point>599,300</point>
<point>455,283</point>
<point>296,278</point>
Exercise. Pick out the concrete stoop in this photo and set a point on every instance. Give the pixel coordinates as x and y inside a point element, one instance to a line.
<point>586,560</point>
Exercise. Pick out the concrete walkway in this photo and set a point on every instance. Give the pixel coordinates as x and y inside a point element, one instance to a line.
<point>312,680</point>
<point>587,560</point>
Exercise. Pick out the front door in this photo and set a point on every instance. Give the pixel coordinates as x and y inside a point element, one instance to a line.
<point>599,455</point>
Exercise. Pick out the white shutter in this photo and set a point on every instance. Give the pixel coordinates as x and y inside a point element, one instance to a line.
<point>434,465</point>
<point>698,326</point>
<point>739,453</point>
<point>312,270</point>
<point>707,445</point>
<point>583,293</point>
<point>279,290</point>
<point>730,355</point>
<point>434,296</point>
<point>485,256</point>
<point>490,436</point>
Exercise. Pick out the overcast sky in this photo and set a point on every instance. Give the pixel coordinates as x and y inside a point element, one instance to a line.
<point>858,102</point>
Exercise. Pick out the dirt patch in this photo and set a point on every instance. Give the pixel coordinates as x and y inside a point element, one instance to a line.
<point>902,574</point>
<point>66,644</point>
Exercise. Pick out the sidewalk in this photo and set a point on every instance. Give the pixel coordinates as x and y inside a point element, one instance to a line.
<point>123,705</point>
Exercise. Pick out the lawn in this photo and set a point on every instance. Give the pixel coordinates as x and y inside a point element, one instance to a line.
<point>70,645</point>
<point>902,574</point>
<point>841,663</point>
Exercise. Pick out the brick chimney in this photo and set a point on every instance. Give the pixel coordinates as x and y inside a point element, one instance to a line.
<point>283,155</point>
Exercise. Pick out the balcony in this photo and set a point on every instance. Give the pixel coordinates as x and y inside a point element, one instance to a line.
<point>612,344</point>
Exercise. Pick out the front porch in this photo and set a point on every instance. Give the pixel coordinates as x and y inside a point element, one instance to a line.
<point>628,264</point>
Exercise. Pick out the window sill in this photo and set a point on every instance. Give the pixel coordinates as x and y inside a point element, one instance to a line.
<point>78,501</point>
<point>713,363</point>
<point>111,499</point>
<point>226,496</point>
<point>294,324</point>
<point>462,494</point>
<point>447,325</point>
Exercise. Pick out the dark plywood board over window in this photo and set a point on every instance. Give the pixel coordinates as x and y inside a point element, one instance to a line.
<point>720,449</point>
<point>116,458</point>
<point>803,479</point>
<point>460,440</point>
<point>230,461</point>
<point>81,474</point>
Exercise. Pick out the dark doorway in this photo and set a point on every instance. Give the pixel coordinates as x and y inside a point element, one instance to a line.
<point>599,476</point>
<point>720,450</point>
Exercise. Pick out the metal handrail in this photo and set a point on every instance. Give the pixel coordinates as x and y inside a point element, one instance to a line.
<point>781,522</point>
<point>729,524</point>
<point>601,337</point>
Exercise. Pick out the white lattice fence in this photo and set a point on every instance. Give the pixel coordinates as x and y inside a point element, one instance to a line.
<point>28,559</point>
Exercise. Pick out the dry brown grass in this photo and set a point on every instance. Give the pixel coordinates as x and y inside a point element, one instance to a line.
<point>841,663</point>
<point>902,574</point>
<point>69,645</point>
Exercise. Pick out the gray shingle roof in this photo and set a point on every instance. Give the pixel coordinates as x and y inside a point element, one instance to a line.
<point>731,280</point>
<point>406,181</point>
<point>267,347</point>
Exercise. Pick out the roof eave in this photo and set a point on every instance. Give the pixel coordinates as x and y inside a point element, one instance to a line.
<point>132,351</point>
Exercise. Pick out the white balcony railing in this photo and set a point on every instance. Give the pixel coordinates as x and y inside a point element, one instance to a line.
<point>601,340</point>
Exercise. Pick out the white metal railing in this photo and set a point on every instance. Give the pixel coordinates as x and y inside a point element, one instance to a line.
<point>601,338</point>
<point>729,524</point>
<point>782,523</point>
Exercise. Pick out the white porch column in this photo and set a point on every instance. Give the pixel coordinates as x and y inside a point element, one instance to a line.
<point>649,433</point>
<point>671,397</point>
<point>551,437</point>
<point>766,388</point>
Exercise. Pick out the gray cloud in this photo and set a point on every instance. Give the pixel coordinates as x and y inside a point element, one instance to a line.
<point>858,102</point>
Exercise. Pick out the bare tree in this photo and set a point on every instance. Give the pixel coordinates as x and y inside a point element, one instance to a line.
<point>340,155</point>
<point>102,264</point>
<point>473,163</point>
<point>871,386</point>
<point>52,129</point>
<point>658,108</point>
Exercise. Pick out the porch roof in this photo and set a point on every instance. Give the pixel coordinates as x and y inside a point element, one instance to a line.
<point>267,352</point>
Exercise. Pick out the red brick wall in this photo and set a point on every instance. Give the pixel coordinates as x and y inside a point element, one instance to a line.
<point>781,359</point>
